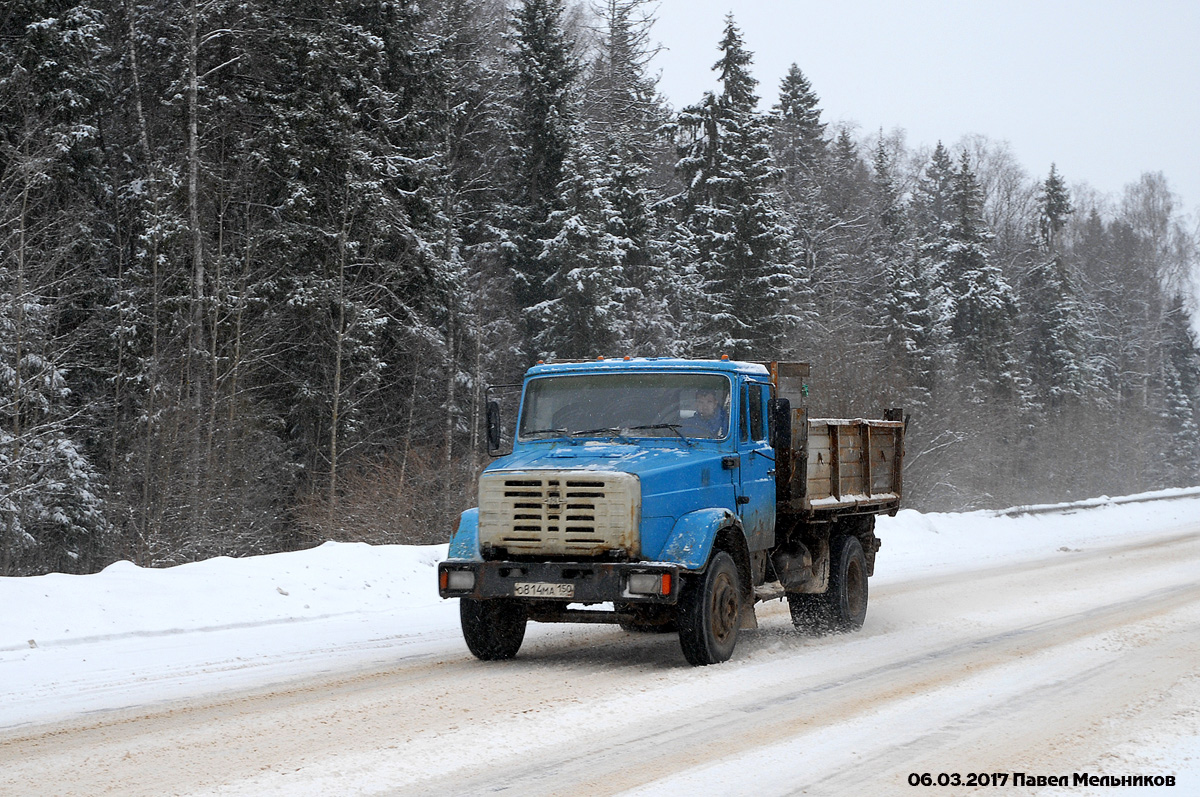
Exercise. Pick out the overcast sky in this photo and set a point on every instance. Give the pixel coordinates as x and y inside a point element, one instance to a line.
<point>1105,89</point>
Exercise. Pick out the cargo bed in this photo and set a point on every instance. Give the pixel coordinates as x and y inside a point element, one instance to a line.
<point>835,465</point>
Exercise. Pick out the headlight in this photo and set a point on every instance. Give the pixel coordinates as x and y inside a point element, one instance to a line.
<point>650,583</point>
<point>460,579</point>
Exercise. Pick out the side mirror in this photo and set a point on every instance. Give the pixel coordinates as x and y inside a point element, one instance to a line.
<point>493,426</point>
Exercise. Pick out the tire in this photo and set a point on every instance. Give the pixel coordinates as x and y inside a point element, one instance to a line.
<point>709,612</point>
<point>810,613</point>
<point>493,629</point>
<point>847,594</point>
<point>648,619</point>
<point>843,606</point>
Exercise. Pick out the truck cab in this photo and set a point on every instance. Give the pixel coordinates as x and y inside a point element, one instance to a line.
<point>640,491</point>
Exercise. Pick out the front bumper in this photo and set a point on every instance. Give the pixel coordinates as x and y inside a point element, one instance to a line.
<point>592,582</point>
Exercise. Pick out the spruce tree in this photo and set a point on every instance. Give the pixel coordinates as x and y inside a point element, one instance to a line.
<point>799,141</point>
<point>1054,206</point>
<point>847,181</point>
<point>622,116</point>
<point>53,86</point>
<point>985,309</point>
<point>910,325</point>
<point>648,284</point>
<point>731,217</point>
<point>543,131</point>
<point>932,200</point>
<point>584,317</point>
<point>620,102</point>
<point>1181,393</point>
<point>800,150</point>
<point>1059,365</point>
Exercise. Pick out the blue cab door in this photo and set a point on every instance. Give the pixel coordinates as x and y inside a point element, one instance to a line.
<point>756,488</point>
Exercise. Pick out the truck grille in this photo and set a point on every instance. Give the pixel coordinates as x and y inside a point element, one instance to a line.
<point>566,513</point>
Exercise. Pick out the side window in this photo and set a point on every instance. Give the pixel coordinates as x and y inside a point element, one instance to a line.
<point>758,425</point>
<point>743,427</point>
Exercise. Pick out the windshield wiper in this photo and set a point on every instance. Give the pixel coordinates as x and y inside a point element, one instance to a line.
<point>674,427</point>
<point>528,432</point>
<point>604,430</point>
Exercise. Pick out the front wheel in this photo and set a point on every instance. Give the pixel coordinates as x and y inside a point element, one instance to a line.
<point>709,609</point>
<point>493,629</point>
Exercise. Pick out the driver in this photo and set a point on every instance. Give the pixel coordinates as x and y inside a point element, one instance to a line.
<point>710,419</point>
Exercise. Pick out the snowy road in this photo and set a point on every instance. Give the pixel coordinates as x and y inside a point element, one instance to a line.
<point>1077,659</point>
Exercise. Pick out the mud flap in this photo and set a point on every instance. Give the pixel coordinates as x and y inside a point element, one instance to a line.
<point>747,619</point>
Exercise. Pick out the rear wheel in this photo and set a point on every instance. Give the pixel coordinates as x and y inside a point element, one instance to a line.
<point>709,610</point>
<point>843,606</point>
<point>847,595</point>
<point>493,629</point>
<point>810,613</point>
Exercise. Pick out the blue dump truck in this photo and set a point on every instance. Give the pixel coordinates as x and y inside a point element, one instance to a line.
<point>671,495</point>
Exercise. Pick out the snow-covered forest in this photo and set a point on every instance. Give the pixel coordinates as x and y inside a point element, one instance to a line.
<point>261,258</point>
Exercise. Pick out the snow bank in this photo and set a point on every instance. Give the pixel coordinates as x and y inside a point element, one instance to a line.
<point>917,544</point>
<point>125,600</point>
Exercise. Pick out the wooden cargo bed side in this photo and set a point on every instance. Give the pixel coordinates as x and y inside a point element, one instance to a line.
<point>852,464</point>
<point>836,465</point>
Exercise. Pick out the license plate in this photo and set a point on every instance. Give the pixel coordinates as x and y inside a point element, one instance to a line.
<point>543,589</point>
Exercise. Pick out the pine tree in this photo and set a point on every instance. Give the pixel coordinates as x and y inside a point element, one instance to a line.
<point>731,219</point>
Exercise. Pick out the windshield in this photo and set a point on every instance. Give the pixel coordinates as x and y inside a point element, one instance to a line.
<point>627,404</point>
